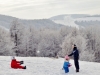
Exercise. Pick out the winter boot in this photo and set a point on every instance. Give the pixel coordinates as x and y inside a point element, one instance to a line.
<point>77,70</point>
<point>24,67</point>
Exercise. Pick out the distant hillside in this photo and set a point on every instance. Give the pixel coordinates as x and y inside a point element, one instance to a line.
<point>5,21</point>
<point>60,17</point>
<point>77,20</point>
<point>73,20</point>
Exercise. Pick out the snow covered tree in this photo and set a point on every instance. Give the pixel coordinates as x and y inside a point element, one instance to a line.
<point>50,43</point>
<point>93,42</point>
<point>17,31</point>
<point>5,42</point>
<point>32,43</point>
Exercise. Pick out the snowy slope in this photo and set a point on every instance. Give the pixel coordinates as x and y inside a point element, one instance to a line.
<point>46,66</point>
<point>76,20</point>
<point>67,21</point>
<point>88,19</point>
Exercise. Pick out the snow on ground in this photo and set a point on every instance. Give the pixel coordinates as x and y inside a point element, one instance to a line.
<point>46,66</point>
<point>67,21</point>
<point>88,19</point>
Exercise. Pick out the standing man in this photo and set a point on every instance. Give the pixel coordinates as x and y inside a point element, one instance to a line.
<point>75,53</point>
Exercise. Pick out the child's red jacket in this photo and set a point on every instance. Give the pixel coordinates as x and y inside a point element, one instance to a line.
<point>16,64</point>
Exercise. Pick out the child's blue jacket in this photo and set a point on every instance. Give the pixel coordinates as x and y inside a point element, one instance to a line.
<point>66,66</point>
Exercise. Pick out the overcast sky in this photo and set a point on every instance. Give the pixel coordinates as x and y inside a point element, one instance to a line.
<point>37,9</point>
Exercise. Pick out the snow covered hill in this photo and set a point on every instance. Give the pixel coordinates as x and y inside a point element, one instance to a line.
<point>73,20</point>
<point>46,66</point>
<point>5,21</point>
<point>67,21</point>
<point>77,20</point>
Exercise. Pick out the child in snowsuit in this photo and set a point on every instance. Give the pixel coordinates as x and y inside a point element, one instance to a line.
<point>17,64</point>
<point>66,64</point>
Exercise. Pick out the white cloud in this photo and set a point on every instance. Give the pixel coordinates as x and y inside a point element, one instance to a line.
<point>46,8</point>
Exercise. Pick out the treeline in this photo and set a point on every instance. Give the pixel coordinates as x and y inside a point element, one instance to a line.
<point>87,23</point>
<point>47,42</point>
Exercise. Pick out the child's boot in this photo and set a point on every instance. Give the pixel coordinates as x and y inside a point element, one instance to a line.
<point>24,67</point>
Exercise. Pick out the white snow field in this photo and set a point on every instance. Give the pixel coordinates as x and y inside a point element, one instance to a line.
<point>46,66</point>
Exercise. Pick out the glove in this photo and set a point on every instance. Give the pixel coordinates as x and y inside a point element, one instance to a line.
<point>21,62</point>
<point>69,65</point>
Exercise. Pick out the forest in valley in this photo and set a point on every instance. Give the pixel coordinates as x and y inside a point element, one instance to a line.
<point>50,42</point>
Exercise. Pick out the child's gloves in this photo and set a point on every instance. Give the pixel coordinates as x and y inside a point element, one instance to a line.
<point>69,65</point>
<point>21,62</point>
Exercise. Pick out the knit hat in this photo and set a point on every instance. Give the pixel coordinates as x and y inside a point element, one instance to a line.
<point>12,57</point>
<point>74,45</point>
<point>66,57</point>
